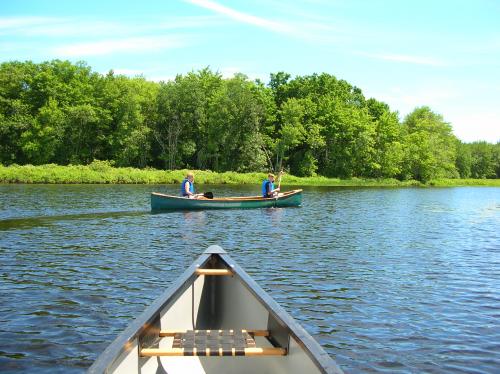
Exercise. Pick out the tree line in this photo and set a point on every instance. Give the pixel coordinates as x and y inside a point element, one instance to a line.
<point>64,113</point>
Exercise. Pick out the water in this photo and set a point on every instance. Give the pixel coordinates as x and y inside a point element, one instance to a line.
<point>387,280</point>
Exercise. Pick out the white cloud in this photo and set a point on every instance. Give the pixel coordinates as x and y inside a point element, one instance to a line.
<point>57,27</point>
<point>310,28</point>
<point>127,45</point>
<point>190,22</point>
<point>406,99</point>
<point>473,124</point>
<point>243,17</point>
<point>418,60</point>
<point>69,28</point>
<point>471,121</point>
<point>9,23</point>
<point>81,27</point>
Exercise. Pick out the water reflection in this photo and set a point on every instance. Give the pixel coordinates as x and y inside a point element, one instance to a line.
<point>193,222</point>
<point>194,218</point>
<point>30,222</point>
<point>273,216</point>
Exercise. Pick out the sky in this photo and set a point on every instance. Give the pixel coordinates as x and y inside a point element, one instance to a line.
<point>443,54</point>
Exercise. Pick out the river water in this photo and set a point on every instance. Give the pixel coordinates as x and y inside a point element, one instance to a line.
<point>387,280</point>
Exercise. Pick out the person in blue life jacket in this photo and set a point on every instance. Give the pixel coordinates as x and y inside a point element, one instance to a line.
<point>268,189</point>
<point>187,187</point>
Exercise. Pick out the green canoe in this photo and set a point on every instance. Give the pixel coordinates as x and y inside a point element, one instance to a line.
<point>161,201</point>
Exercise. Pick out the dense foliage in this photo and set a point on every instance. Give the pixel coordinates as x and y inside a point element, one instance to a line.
<point>63,113</point>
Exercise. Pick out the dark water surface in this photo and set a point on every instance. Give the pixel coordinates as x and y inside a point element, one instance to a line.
<point>387,280</point>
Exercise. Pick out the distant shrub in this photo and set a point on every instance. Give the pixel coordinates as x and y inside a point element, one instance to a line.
<point>99,165</point>
<point>104,172</point>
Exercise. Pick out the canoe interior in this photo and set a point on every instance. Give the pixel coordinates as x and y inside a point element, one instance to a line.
<point>161,202</point>
<point>209,302</point>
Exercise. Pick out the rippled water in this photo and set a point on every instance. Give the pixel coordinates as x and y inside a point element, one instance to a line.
<point>387,280</point>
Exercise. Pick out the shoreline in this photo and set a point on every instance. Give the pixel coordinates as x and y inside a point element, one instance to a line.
<point>101,172</point>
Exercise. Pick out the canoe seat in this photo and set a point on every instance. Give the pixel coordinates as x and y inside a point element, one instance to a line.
<point>214,343</point>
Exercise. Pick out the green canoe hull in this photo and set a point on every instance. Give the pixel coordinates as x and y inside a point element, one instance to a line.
<point>161,202</point>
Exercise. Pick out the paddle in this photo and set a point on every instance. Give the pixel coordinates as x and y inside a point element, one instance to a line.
<point>279,179</point>
<point>279,186</point>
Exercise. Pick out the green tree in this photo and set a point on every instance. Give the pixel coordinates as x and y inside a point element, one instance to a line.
<point>41,141</point>
<point>430,146</point>
<point>131,105</point>
<point>300,140</point>
<point>350,138</point>
<point>16,114</point>
<point>13,124</point>
<point>483,163</point>
<point>496,158</point>
<point>388,147</point>
<point>317,86</point>
<point>62,112</point>
<point>181,126</point>
<point>82,135</point>
<point>292,132</point>
<point>278,83</point>
<point>464,160</point>
<point>235,115</point>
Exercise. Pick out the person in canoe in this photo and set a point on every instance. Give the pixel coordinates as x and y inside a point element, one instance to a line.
<point>187,187</point>
<point>268,189</point>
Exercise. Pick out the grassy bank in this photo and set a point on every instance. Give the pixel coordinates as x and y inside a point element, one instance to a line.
<point>101,172</point>
<point>464,182</point>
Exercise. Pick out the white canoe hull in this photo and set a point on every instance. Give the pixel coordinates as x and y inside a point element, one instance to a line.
<point>208,302</point>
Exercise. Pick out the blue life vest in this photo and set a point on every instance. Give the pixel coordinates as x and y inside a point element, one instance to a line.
<point>265,188</point>
<point>183,187</point>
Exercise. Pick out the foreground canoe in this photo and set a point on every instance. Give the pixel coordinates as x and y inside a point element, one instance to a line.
<point>214,319</point>
<point>161,201</point>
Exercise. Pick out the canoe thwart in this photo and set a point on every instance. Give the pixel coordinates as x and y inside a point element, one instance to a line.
<point>273,351</point>
<point>214,343</point>
<point>214,272</point>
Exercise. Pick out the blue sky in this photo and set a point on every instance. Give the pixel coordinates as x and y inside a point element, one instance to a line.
<point>407,53</point>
